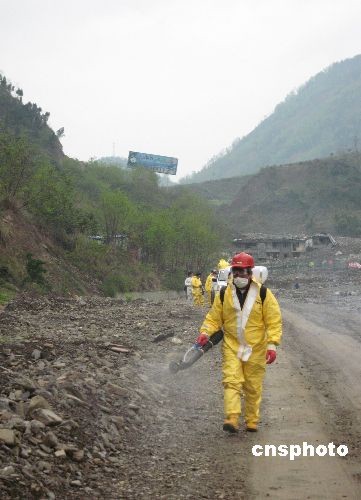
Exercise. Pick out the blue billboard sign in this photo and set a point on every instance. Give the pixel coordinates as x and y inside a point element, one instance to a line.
<point>160,164</point>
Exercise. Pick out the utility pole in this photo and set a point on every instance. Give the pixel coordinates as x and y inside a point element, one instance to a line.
<point>113,149</point>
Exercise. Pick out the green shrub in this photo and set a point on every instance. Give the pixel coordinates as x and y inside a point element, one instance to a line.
<point>5,274</point>
<point>35,269</point>
<point>115,284</point>
<point>174,280</point>
<point>6,295</point>
<point>89,256</point>
<point>128,296</point>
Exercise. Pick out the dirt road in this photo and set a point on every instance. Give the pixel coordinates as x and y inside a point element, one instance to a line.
<point>132,430</point>
<point>311,395</point>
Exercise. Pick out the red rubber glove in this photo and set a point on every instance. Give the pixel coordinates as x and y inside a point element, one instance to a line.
<point>202,339</point>
<point>270,356</point>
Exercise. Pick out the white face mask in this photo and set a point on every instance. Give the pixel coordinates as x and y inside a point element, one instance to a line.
<point>240,282</point>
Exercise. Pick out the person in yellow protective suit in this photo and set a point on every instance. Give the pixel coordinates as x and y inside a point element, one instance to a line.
<point>209,284</point>
<point>222,264</point>
<point>252,326</point>
<point>197,290</point>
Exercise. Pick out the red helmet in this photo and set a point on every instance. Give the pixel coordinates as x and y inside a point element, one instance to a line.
<point>243,260</point>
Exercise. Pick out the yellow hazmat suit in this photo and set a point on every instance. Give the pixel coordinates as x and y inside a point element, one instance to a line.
<point>264,326</point>
<point>198,299</point>
<point>222,264</point>
<point>208,288</point>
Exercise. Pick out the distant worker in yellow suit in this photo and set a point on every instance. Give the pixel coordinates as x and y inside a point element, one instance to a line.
<point>209,285</point>
<point>222,264</point>
<point>197,290</point>
<point>251,320</point>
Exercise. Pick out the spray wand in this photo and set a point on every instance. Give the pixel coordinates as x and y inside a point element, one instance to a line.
<point>195,352</point>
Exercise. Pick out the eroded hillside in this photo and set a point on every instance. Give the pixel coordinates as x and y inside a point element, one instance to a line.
<point>316,196</point>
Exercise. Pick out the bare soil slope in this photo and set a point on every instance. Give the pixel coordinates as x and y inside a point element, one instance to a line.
<point>20,236</point>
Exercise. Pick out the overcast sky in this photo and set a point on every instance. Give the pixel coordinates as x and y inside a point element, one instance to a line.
<point>179,78</point>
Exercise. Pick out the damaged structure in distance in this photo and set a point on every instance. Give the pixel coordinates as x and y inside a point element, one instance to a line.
<point>264,246</point>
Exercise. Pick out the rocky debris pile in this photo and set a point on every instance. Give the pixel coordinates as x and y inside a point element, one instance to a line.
<point>349,246</point>
<point>321,276</point>
<point>74,395</point>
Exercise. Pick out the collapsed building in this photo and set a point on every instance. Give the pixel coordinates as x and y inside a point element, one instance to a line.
<point>263,246</point>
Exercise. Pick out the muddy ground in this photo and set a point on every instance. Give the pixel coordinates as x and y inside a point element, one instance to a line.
<point>88,408</point>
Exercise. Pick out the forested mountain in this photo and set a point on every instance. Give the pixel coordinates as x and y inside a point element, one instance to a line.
<point>27,120</point>
<point>320,118</point>
<point>71,226</point>
<point>308,197</point>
